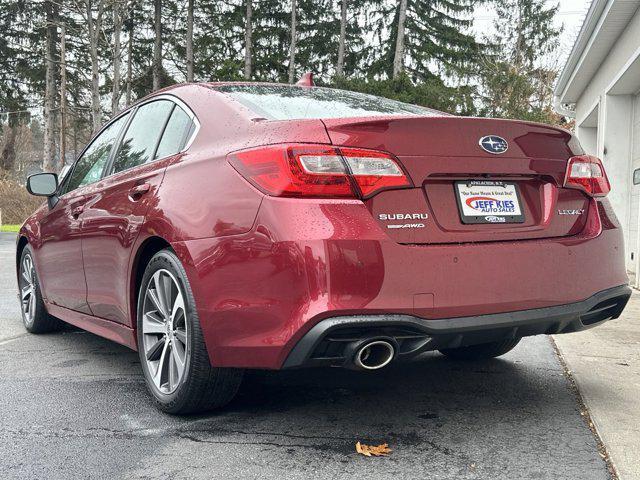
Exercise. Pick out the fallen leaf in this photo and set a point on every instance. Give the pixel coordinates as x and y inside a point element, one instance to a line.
<point>377,451</point>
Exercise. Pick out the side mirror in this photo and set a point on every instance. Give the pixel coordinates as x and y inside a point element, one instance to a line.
<point>42,184</point>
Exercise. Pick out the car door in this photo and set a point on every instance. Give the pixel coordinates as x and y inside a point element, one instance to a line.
<point>59,255</point>
<point>115,207</point>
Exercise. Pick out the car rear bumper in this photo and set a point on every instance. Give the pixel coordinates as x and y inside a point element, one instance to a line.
<point>328,342</point>
<point>259,293</point>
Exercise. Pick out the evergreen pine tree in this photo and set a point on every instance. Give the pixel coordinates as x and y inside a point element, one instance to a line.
<point>431,44</point>
<point>517,76</point>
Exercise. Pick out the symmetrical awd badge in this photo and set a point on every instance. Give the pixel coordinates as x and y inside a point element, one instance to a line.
<point>404,216</point>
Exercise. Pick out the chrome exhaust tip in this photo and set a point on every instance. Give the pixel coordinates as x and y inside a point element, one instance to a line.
<point>374,355</point>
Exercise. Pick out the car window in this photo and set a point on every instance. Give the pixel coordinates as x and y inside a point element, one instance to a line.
<point>175,133</point>
<point>282,102</point>
<point>143,133</point>
<point>89,167</point>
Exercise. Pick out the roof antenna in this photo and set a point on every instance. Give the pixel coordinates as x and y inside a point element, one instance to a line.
<point>306,80</point>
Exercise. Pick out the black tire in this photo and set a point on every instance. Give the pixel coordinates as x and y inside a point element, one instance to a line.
<point>40,321</point>
<point>202,387</point>
<point>482,351</point>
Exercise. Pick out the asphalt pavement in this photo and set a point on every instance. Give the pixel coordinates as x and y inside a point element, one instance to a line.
<point>605,363</point>
<point>74,405</point>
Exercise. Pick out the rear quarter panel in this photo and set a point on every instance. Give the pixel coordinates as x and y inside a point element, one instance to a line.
<point>202,196</point>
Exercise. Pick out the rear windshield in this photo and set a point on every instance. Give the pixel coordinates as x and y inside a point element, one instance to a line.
<point>282,102</point>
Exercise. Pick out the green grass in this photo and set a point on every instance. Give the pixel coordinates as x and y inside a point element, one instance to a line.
<point>9,228</point>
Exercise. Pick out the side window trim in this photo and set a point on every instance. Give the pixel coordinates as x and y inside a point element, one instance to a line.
<point>186,109</point>
<point>184,137</point>
<point>188,134</point>
<point>63,184</point>
<point>164,127</point>
<point>107,170</point>
<point>176,103</point>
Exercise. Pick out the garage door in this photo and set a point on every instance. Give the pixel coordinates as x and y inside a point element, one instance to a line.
<point>633,248</point>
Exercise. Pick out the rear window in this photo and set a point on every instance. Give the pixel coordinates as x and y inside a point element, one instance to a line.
<point>282,102</point>
<point>176,133</point>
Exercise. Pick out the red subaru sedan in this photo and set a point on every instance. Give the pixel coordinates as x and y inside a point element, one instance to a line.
<point>219,227</point>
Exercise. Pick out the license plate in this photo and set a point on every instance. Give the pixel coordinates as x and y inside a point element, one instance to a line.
<point>481,201</point>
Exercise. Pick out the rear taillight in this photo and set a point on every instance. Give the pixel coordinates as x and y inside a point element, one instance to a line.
<point>587,173</point>
<point>319,171</point>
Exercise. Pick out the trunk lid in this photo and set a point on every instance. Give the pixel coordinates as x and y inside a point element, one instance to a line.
<point>440,152</point>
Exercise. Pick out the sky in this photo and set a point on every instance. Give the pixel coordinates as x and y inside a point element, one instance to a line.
<point>570,15</point>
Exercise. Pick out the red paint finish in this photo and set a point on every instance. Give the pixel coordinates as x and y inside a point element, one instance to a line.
<point>541,199</point>
<point>335,260</point>
<point>58,255</point>
<point>265,269</point>
<point>453,137</point>
<point>114,212</point>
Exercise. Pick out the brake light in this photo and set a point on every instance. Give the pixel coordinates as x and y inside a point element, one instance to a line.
<point>319,171</point>
<point>587,173</point>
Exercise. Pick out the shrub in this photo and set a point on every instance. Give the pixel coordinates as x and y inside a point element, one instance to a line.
<point>16,203</point>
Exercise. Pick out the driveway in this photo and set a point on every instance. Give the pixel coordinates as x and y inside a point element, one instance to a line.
<point>74,405</point>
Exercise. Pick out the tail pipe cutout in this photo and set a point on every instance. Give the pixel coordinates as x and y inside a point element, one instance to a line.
<point>372,354</point>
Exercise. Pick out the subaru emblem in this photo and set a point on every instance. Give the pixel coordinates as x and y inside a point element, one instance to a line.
<point>493,144</point>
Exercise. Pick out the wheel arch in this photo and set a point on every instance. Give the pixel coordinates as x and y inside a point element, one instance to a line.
<point>147,249</point>
<point>22,242</point>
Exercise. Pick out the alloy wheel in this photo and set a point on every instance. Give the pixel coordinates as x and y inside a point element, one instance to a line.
<point>164,331</point>
<point>27,289</point>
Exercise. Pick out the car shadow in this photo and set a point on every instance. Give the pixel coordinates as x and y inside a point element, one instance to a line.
<point>432,400</point>
<point>423,377</point>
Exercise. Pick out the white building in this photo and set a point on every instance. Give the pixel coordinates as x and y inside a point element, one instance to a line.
<point>600,87</point>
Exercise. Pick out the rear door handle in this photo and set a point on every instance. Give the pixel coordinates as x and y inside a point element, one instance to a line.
<point>140,189</point>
